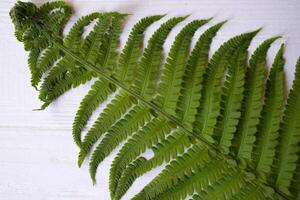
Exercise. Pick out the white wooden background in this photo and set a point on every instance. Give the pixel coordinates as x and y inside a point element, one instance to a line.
<point>37,153</point>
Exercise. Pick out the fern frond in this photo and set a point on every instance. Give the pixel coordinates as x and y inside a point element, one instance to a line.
<point>184,165</point>
<point>55,74</point>
<point>229,185</point>
<point>288,149</point>
<point>267,134</point>
<point>108,25</point>
<point>148,70</point>
<point>92,43</point>
<point>190,94</point>
<point>295,190</point>
<point>73,39</point>
<point>232,95</point>
<point>173,70</point>
<point>174,144</point>
<point>21,14</point>
<point>132,171</point>
<point>108,52</point>
<point>32,37</point>
<point>45,62</point>
<point>131,53</point>
<point>33,59</point>
<point>55,16</point>
<point>197,181</point>
<point>209,105</point>
<point>151,133</point>
<point>113,111</point>
<point>251,191</point>
<point>136,117</point>
<point>252,102</point>
<point>97,94</point>
<point>72,79</point>
<point>179,109</point>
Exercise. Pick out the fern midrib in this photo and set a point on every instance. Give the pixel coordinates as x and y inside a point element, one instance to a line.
<point>154,107</point>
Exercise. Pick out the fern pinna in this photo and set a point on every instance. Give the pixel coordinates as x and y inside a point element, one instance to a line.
<point>223,128</point>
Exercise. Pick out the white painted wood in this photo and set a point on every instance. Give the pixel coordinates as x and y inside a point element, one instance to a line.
<point>37,153</point>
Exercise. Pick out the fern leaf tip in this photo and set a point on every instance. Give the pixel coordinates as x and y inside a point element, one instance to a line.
<point>80,160</point>
<point>209,19</point>
<point>39,109</point>
<point>184,17</point>
<point>223,22</point>
<point>257,31</point>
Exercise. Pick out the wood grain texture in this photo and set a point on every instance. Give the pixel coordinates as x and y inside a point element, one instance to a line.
<point>38,156</point>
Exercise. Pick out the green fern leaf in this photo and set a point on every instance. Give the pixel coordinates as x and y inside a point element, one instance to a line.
<point>251,191</point>
<point>151,133</point>
<point>148,69</point>
<point>190,93</point>
<point>267,134</point>
<point>198,180</point>
<point>252,103</point>
<point>59,12</point>
<point>171,78</point>
<point>136,117</point>
<point>44,63</point>
<point>232,95</point>
<point>176,170</point>
<point>288,150</point>
<point>94,42</point>
<point>56,73</point>
<point>209,105</point>
<point>98,93</point>
<point>225,188</point>
<point>130,55</point>
<point>174,144</point>
<point>113,111</point>
<point>179,109</point>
